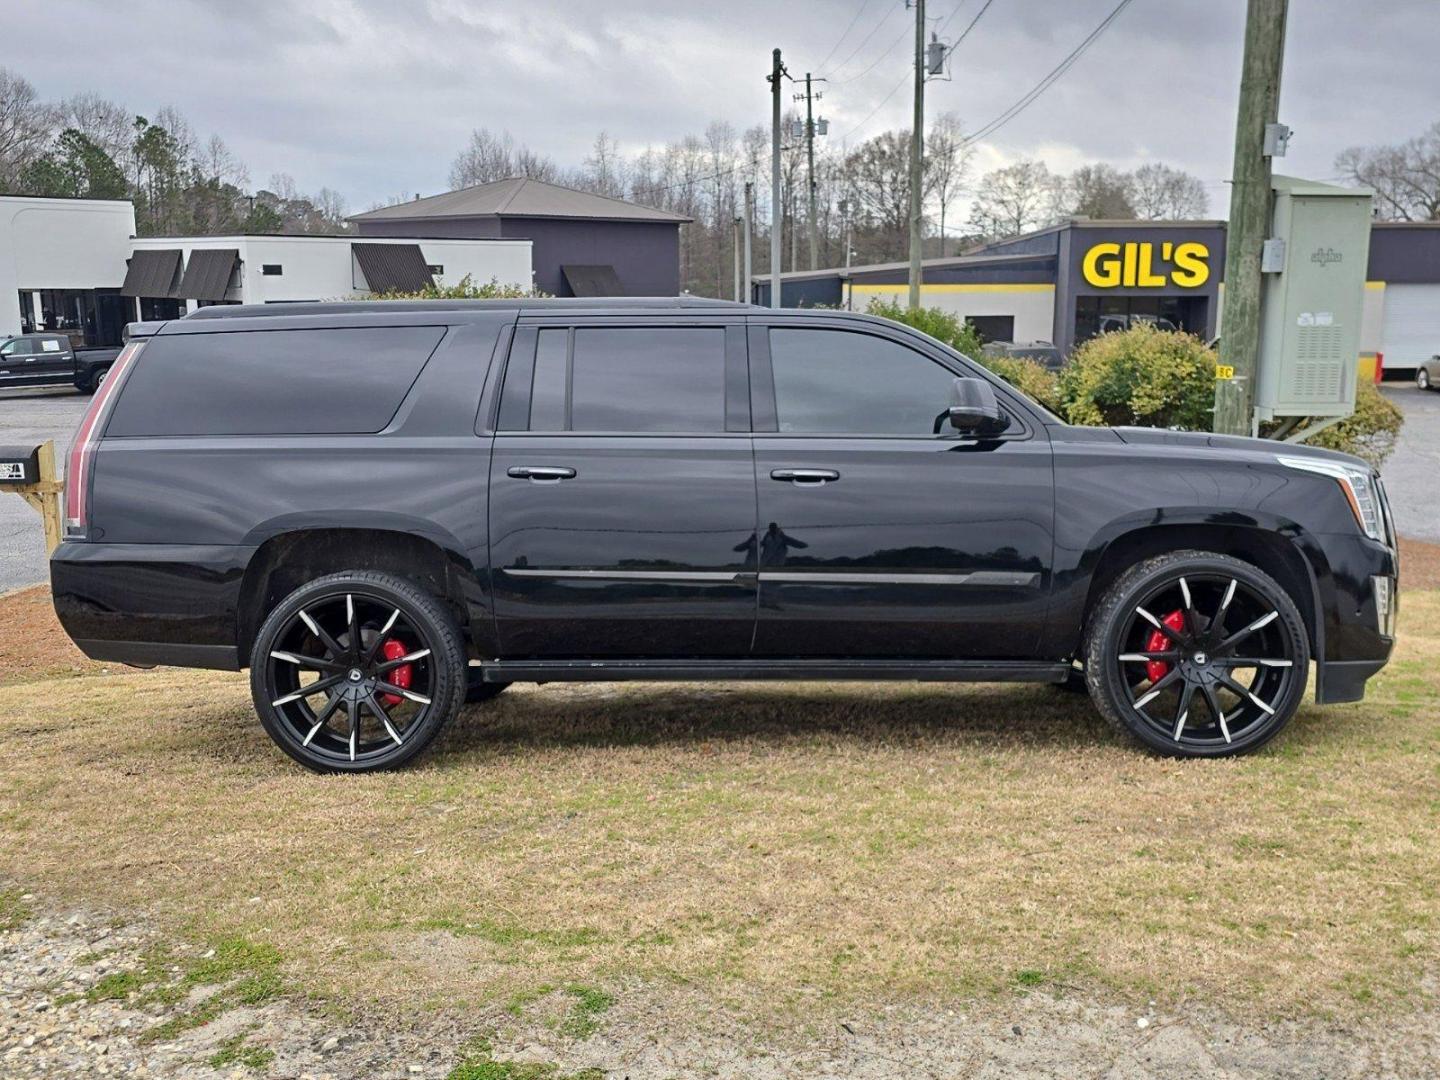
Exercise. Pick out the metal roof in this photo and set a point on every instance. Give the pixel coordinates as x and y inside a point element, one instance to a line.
<point>393,267</point>
<point>152,272</point>
<point>955,261</point>
<point>519,196</point>
<point>207,274</point>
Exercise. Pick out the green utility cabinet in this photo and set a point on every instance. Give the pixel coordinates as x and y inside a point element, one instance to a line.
<point>1312,295</point>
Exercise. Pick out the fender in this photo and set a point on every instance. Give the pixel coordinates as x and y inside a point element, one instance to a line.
<point>1072,583</point>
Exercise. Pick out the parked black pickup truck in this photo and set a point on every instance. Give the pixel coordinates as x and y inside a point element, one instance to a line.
<point>50,360</point>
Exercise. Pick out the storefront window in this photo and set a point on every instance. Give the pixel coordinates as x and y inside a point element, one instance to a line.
<point>1104,314</point>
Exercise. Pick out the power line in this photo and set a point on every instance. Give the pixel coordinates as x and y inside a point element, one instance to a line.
<point>821,66</point>
<point>1049,80</point>
<point>864,41</point>
<point>906,77</point>
<point>875,63</point>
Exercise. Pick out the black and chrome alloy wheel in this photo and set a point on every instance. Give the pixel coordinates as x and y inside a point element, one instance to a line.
<point>357,671</point>
<point>1198,655</point>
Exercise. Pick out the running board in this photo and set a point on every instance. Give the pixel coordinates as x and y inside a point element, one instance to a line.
<point>703,670</point>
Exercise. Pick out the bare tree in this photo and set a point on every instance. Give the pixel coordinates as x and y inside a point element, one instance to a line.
<point>948,159</point>
<point>26,125</point>
<point>878,184</point>
<point>106,124</point>
<point>606,171</point>
<point>1405,177</point>
<point>1160,193</point>
<point>1100,191</point>
<point>1015,199</point>
<point>489,156</point>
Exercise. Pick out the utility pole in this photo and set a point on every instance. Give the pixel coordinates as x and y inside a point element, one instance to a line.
<point>1250,203</point>
<point>777,212</point>
<point>735,254</point>
<point>749,217</point>
<point>810,98</point>
<point>917,155</point>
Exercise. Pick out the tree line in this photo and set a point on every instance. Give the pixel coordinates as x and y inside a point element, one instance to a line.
<point>89,147</point>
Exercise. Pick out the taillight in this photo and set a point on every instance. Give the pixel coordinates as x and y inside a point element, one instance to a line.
<point>87,439</point>
<point>1379,367</point>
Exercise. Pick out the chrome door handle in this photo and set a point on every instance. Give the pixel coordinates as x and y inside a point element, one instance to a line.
<point>815,477</point>
<point>542,473</point>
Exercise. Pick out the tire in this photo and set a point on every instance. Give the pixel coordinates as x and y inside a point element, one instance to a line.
<point>479,690</point>
<point>1197,615</point>
<point>96,378</point>
<point>1422,379</point>
<point>391,695</point>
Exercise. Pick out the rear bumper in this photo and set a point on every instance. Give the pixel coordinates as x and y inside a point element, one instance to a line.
<point>148,604</point>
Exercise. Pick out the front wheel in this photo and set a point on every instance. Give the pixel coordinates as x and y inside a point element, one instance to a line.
<point>1422,379</point>
<point>357,671</point>
<point>1197,654</point>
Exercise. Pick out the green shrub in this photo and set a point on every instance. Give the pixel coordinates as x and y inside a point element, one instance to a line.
<point>1370,432</point>
<point>1032,379</point>
<point>464,289</point>
<point>941,325</point>
<point>1140,376</point>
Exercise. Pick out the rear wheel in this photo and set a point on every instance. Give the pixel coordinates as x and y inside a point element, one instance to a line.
<point>356,672</point>
<point>1197,654</point>
<point>1422,379</point>
<point>97,378</point>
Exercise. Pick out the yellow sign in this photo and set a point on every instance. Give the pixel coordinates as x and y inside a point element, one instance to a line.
<point>1224,371</point>
<point>1133,265</point>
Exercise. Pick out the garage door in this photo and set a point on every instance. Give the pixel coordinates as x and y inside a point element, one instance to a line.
<point>1412,324</point>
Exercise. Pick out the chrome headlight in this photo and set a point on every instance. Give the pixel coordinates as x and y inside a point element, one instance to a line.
<point>1358,483</point>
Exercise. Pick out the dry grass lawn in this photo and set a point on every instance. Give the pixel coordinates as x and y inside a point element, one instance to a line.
<point>784,850</point>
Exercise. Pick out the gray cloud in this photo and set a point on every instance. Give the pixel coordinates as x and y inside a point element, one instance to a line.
<point>374,97</point>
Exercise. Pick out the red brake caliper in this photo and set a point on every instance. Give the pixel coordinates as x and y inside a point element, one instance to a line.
<point>401,676</point>
<point>1156,642</point>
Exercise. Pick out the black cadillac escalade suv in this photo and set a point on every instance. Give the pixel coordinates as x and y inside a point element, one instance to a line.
<point>383,509</point>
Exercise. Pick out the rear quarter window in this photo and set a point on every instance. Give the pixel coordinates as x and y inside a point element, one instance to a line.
<point>272,382</point>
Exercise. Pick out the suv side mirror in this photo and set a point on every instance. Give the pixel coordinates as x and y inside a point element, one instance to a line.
<point>973,409</point>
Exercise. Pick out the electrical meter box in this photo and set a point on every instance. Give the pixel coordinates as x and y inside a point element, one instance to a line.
<point>1310,309</point>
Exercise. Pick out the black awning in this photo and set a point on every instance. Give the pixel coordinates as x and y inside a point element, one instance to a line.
<point>152,272</point>
<point>593,280</point>
<point>207,274</point>
<point>393,267</point>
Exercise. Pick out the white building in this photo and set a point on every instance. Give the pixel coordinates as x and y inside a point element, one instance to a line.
<point>169,276</point>
<point>75,266</point>
<point>62,262</point>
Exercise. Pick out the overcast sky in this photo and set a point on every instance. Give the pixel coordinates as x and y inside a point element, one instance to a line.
<point>375,97</point>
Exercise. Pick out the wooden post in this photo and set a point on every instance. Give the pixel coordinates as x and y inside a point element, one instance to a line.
<point>1250,203</point>
<point>44,496</point>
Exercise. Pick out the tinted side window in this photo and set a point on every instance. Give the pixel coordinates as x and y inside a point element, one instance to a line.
<point>272,382</point>
<point>840,382</point>
<point>665,378</point>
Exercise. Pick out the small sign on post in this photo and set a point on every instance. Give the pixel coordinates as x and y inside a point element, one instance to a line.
<point>29,471</point>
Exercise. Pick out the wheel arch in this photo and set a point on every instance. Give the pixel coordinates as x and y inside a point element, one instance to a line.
<point>288,559</point>
<point>1282,557</point>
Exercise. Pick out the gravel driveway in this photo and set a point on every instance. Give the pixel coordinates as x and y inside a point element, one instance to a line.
<point>1412,475</point>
